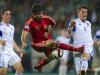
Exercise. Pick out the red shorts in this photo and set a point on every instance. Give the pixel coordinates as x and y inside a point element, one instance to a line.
<point>39,47</point>
<point>42,47</point>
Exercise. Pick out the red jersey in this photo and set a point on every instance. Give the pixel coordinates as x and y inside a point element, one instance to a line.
<point>37,28</point>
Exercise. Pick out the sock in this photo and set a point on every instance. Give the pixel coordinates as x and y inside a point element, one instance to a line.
<point>84,64</point>
<point>18,73</point>
<point>77,61</point>
<point>44,61</point>
<point>83,72</point>
<point>69,47</point>
<point>63,70</point>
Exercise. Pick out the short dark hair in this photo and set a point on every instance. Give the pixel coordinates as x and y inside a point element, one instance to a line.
<point>4,10</point>
<point>79,7</point>
<point>37,8</point>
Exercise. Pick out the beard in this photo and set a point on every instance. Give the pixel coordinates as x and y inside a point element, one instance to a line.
<point>38,19</point>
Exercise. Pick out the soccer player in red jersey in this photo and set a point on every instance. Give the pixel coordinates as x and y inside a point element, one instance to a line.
<point>40,27</point>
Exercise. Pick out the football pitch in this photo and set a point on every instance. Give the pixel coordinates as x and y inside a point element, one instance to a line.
<point>35,74</point>
<point>48,74</point>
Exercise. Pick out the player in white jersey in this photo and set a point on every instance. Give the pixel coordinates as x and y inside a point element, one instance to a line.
<point>64,59</point>
<point>7,43</point>
<point>80,29</point>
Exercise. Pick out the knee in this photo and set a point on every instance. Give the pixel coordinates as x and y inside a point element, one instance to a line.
<point>3,72</point>
<point>85,55</point>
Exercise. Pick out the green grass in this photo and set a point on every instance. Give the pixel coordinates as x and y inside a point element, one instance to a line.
<point>35,74</point>
<point>47,74</point>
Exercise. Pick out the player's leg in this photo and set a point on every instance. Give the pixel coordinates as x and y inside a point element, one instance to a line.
<point>44,60</point>
<point>88,52</point>
<point>53,44</point>
<point>84,63</point>
<point>4,58</point>
<point>15,61</point>
<point>51,55</point>
<point>3,71</point>
<point>18,67</point>
<point>77,60</point>
<point>63,63</point>
<point>56,44</point>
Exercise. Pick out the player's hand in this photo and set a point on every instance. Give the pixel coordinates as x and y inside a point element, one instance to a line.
<point>21,52</point>
<point>97,42</point>
<point>71,26</point>
<point>72,23</point>
<point>3,42</point>
<point>48,28</point>
<point>24,45</point>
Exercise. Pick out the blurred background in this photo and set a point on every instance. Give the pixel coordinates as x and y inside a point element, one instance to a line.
<point>62,11</point>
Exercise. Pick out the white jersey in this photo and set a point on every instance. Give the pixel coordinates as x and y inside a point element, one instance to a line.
<point>63,39</point>
<point>82,33</point>
<point>7,33</point>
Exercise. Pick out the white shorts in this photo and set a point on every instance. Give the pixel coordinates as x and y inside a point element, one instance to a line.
<point>90,50</point>
<point>65,55</point>
<point>8,57</point>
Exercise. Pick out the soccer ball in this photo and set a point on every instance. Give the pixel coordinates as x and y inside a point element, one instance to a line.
<point>57,53</point>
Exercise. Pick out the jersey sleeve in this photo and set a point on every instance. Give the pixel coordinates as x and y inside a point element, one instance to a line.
<point>52,22</point>
<point>0,33</point>
<point>26,25</point>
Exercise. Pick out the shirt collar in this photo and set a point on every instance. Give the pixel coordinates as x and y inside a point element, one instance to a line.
<point>81,20</point>
<point>4,23</point>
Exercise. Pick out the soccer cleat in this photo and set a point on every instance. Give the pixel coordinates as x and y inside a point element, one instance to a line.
<point>83,72</point>
<point>38,69</point>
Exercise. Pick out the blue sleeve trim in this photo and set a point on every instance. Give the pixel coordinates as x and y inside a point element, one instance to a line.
<point>98,36</point>
<point>0,33</point>
<point>74,29</point>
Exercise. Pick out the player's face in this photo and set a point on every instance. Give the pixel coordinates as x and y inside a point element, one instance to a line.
<point>6,16</point>
<point>38,16</point>
<point>82,14</point>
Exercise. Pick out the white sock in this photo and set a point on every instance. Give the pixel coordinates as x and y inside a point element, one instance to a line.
<point>84,64</point>
<point>18,73</point>
<point>63,70</point>
<point>77,61</point>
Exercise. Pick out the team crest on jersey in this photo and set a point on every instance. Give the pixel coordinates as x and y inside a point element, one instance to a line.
<point>27,26</point>
<point>37,27</point>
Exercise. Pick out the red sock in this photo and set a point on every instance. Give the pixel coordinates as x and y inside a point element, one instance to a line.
<point>67,47</point>
<point>44,61</point>
<point>41,63</point>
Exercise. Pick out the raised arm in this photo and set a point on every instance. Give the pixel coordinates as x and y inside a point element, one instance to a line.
<point>70,28</point>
